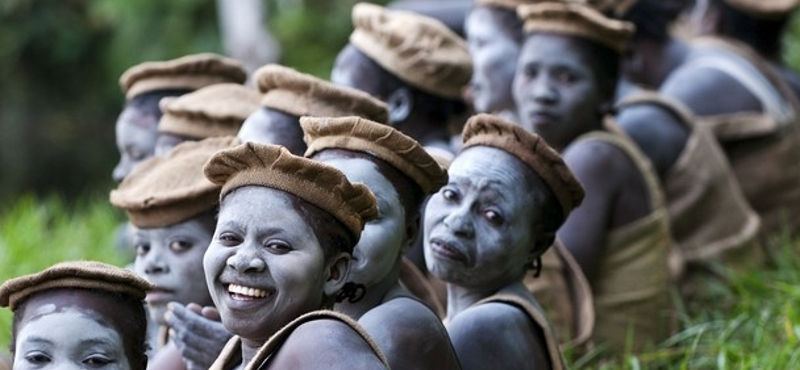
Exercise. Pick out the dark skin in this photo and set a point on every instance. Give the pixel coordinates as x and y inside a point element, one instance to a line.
<point>167,141</point>
<point>555,86</point>
<point>270,126</point>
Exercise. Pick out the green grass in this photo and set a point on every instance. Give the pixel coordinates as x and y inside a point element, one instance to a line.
<point>752,323</point>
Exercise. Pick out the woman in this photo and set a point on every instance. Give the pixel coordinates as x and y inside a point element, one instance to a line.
<point>564,87</point>
<point>79,315</point>
<point>171,205</point>
<point>280,253</point>
<point>401,175</point>
<point>507,195</point>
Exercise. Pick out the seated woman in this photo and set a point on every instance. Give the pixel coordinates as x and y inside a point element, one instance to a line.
<point>214,111</point>
<point>280,255</point>
<point>288,94</point>
<point>171,205</point>
<point>78,315</point>
<point>507,195</point>
<point>564,87</point>
<point>400,174</point>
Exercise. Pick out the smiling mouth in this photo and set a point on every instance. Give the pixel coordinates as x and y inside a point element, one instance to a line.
<point>447,250</point>
<point>243,293</point>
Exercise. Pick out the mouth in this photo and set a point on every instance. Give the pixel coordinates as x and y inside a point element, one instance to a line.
<point>448,250</point>
<point>541,118</point>
<point>159,294</point>
<point>243,293</point>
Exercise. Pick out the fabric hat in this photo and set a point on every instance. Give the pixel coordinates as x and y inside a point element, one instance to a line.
<point>189,72</point>
<point>576,19</point>
<point>379,140</point>
<point>419,50</point>
<point>513,4</point>
<point>216,110</point>
<point>300,94</point>
<point>273,166</point>
<point>617,8</point>
<point>765,9</point>
<point>531,149</point>
<point>95,276</point>
<point>163,191</point>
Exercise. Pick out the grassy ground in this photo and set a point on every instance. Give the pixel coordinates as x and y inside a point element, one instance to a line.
<point>753,323</point>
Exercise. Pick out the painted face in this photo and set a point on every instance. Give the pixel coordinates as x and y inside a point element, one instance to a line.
<point>494,55</point>
<point>172,259</point>
<point>68,338</point>
<point>166,142</point>
<point>383,238</point>
<point>136,134</point>
<point>556,90</point>
<point>265,266</point>
<point>478,227</point>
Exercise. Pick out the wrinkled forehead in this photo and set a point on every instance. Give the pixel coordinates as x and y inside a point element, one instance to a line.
<point>488,163</point>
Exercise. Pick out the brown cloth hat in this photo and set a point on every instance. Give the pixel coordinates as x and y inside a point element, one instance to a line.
<point>189,72</point>
<point>163,191</point>
<point>419,50</point>
<point>216,110</point>
<point>74,275</point>
<point>513,4</point>
<point>381,141</point>
<point>489,130</point>
<point>576,19</point>
<point>273,166</point>
<point>300,94</point>
<point>617,8</point>
<point>765,9</point>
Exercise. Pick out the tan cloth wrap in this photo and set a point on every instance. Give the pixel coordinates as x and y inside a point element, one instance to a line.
<point>300,94</point>
<point>74,275</point>
<point>163,191</point>
<point>419,50</point>
<point>381,141</point>
<point>617,8</point>
<point>765,9</point>
<point>273,166</point>
<point>489,130</point>
<point>190,72</point>
<point>575,19</point>
<point>216,110</point>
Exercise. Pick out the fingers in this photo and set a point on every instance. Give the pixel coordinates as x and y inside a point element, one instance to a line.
<point>211,313</point>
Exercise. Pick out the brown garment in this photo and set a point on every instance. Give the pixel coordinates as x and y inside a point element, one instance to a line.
<point>530,307</point>
<point>763,147</point>
<point>572,313</point>
<point>631,291</point>
<point>710,218</point>
<point>231,355</point>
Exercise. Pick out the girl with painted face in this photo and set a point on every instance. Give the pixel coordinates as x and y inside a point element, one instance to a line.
<point>280,254</point>
<point>563,87</point>
<point>78,315</point>
<point>400,174</point>
<point>508,193</point>
<point>171,204</point>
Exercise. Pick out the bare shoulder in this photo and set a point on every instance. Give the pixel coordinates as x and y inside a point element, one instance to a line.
<point>325,344</point>
<point>657,131</point>
<point>708,91</point>
<point>596,164</point>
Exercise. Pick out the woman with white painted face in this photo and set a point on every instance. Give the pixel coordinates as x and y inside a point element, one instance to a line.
<point>280,255</point>
<point>78,315</point>
<point>401,174</point>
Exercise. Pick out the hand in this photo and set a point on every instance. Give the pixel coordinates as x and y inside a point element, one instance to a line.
<point>197,333</point>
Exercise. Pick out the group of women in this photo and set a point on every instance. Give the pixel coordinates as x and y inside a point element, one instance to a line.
<point>347,224</point>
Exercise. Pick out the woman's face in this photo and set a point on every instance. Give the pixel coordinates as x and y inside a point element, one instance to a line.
<point>556,89</point>
<point>478,228</point>
<point>494,60</point>
<point>172,259</point>
<point>51,337</point>
<point>136,134</point>
<point>265,266</point>
<point>384,238</point>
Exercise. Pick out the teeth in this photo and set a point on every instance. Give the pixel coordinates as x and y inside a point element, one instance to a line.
<point>245,291</point>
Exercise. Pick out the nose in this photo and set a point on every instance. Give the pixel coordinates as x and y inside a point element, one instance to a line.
<point>155,263</point>
<point>459,222</point>
<point>120,171</point>
<point>542,90</point>
<point>247,261</point>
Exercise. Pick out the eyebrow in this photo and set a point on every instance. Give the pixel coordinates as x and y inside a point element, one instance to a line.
<point>39,340</point>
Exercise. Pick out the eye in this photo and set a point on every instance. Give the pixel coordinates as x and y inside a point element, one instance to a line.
<point>142,248</point>
<point>565,77</point>
<point>97,361</point>
<point>530,71</point>
<point>493,217</point>
<point>180,245</point>
<point>39,358</point>
<point>229,239</point>
<point>450,195</point>
<point>278,247</point>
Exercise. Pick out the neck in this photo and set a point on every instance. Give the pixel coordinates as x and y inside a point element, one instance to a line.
<point>374,295</point>
<point>249,350</point>
<point>460,298</point>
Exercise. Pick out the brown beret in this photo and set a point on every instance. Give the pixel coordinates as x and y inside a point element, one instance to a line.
<point>378,140</point>
<point>216,110</point>
<point>163,191</point>
<point>510,4</point>
<point>189,72</point>
<point>300,94</point>
<point>616,8</point>
<point>576,19</point>
<point>89,275</point>
<point>489,130</point>
<point>273,166</point>
<point>765,9</point>
<point>419,50</point>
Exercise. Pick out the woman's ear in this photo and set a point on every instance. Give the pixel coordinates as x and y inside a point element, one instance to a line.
<point>337,271</point>
<point>412,233</point>
<point>400,102</point>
